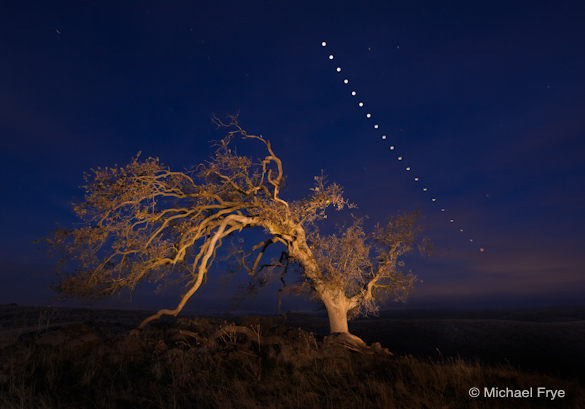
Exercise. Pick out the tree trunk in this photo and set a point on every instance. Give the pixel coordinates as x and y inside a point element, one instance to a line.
<point>337,307</point>
<point>337,319</point>
<point>336,303</point>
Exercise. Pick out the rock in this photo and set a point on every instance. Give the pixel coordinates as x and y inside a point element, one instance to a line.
<point>86,340</point>
<point>74,336</point>
<point>52,338</point>
<point>376,347</point>
<point>344,339</point>
<point>161,347</point>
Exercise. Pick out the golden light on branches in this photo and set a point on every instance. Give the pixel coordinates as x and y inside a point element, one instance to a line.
<point>145,222</point>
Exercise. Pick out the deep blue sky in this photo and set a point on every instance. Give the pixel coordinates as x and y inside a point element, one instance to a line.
<point>485,101</point>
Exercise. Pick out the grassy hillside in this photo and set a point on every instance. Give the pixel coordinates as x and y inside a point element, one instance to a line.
<point>90,359</point>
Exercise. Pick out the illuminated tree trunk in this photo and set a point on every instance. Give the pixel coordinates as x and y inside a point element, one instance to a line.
<point>336,303</point>
<point>337,318</point>
<point>337,306</point>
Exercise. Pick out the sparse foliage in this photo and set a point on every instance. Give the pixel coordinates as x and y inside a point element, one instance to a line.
<point>368,266</point>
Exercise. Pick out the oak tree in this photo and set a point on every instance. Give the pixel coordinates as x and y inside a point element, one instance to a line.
<point>146,222</point>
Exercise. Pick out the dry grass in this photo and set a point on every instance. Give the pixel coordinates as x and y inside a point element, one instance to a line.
<point>207,363</point>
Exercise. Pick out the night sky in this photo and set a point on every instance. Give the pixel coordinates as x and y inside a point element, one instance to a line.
<point>484,100</point>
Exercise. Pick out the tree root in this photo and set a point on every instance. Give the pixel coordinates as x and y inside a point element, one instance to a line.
<point>351,342</point>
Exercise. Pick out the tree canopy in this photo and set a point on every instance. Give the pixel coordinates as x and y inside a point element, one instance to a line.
<point>146,222</point>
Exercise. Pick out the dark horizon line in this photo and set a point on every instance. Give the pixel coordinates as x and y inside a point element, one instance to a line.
<point>427,308</point>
